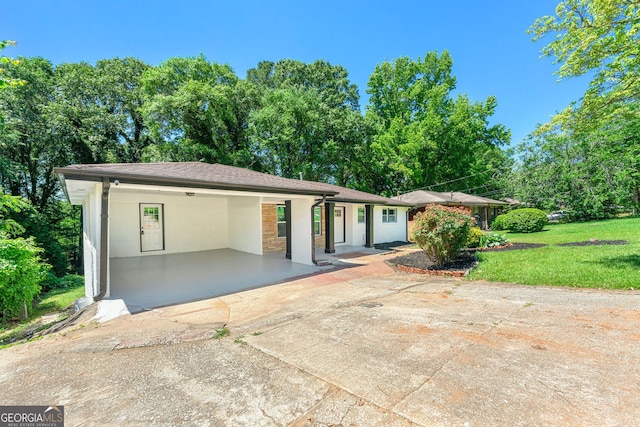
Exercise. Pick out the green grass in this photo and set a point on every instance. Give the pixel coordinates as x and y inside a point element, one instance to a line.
<point>607,266</point>
<point>58,300</point>
<point>53,301</point>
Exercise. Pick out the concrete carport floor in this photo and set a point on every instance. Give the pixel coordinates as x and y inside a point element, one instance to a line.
<point>360,346</point>
<point>159,280</point>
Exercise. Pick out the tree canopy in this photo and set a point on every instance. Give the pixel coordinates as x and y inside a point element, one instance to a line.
<point>601,37</point>
<point>423,135</point>
<point>586,159</point>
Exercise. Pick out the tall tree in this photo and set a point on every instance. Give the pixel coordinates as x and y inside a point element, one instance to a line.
<point>424,136</point>
<point>602,37</point>
<point>196,110</point>
<point>32,143</point>
<point>120,92</point>
<point>590,175</point>
<point>317,105</point>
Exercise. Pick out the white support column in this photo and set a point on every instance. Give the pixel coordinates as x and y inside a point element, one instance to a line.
<point>301,221</point>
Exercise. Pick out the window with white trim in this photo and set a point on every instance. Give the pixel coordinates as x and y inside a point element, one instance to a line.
<point>389,215</point>
<point>361,219</point>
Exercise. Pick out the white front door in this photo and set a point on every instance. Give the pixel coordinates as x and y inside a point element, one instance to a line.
<point>338,224</point>
<point>151,227</point>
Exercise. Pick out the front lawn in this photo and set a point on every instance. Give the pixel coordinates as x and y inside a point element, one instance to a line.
<point>606,266</point>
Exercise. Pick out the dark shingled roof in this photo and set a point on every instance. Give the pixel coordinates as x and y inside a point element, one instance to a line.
<point>215,176</point>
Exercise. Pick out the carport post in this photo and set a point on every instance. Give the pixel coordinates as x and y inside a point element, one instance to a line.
<point>287,218</point>
<point>368,220</point>
<point>329,237</point>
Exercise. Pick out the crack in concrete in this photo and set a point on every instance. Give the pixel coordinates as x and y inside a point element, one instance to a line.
<point>444,365</point>
<point>556,391</point>
<point>331,385</point>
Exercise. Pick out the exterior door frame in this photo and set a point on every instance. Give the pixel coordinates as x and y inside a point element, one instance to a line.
<point>343,211</point>
<point>160,207</point>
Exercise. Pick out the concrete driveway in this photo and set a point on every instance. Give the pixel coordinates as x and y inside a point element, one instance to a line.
<point>362,346</point>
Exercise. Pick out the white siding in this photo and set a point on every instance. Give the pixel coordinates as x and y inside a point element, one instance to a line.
<point>301,230</point>
<point>191,224</point>
<point>91,208</point>
<point>389,231</point>
<point>356,233</point>
<point>245,224</point>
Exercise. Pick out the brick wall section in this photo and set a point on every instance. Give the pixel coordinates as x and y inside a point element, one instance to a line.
<point>270,240</point>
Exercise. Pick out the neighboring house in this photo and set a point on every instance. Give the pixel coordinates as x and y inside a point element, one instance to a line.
<point>147,209</point>
<point>483,209</point>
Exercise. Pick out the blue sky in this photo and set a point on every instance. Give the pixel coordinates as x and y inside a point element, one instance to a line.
<point>487,40</point>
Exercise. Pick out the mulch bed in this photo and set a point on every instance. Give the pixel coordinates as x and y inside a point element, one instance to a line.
<point>515,247</point>
<point>595,243</point>
<point>417,262</point>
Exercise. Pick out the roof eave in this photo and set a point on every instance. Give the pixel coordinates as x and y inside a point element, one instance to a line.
<point>128,178</point>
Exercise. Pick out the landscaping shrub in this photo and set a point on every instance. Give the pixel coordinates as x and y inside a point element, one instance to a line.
<point>475,234</point>
<point>21,272</point>
<point>442,232</point>
<point>491,240</point>
<point>68,281</point>
<point>499,223</point>
<point>526,220</point>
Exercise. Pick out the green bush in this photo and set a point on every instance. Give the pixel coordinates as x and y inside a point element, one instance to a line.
<point>21,272</point>
<point>500,222</point>
<point>526,220</point>
<point>69,281</point>
<point>475,234</point>
<point>441,232</point>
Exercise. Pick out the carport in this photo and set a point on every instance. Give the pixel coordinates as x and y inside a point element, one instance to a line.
<point>154,281</point>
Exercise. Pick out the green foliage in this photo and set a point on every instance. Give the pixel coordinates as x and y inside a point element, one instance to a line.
<point>475,234</point>
<point>499,222</point>
<point>441,232</point>
<point>21,272</point>
<point>422,134</point>
<point>68,281</point>
<point>308,121</point>
<point>4,80</point>
<point>491,240</point>
<point>589,174</point>
<point>601,36</point>
<point>525,220</point>
<point>196,110</point>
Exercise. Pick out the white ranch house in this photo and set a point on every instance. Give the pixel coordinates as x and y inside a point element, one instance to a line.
<point>139,210</point>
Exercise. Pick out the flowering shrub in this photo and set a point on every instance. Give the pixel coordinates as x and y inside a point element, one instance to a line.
<point>441,232</point>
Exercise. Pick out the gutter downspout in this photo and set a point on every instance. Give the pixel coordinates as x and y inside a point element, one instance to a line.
<point>104,239</point>
<point>313,234</point>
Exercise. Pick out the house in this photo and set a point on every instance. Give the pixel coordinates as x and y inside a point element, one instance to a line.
<point>140,212</point>
<point>483,209</point>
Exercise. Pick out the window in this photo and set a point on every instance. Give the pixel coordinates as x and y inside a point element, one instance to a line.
<point>361,216</point>
<point>389,215</point>
<point>281,220</point>
<point>317,218</point>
